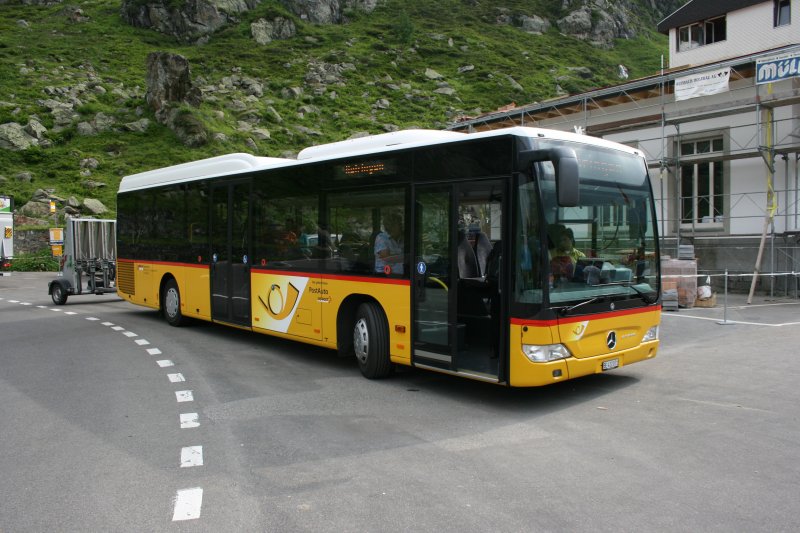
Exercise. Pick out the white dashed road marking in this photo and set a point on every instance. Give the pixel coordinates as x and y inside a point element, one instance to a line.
<point>184,396</point>
<point>191,456</point>
<point>187,504</point>
<point>189,420</point>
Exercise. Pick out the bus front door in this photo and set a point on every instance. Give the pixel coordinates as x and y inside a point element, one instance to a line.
<point>458,235</point>
<point>230,249</point>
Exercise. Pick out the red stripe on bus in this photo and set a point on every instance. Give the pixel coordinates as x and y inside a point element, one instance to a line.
<point>582,318</point>
<point>167,263</point>
<point>360,279</point>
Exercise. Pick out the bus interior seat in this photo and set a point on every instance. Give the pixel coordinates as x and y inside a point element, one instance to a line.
<point>470,284</point>
<point>467,261</point>
<point>483,247</point>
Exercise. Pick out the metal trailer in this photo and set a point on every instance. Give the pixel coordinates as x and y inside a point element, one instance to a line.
<point>89,260</point>
<point>7,236</point>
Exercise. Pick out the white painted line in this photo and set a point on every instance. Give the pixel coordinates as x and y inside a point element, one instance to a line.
<point>165,363</point>
<point>154,351</point>
<point>187,504</point>
<point>42,306</point>
<point>55,309</point>
<point>191,456</point>
<point>130,334</point>
<point>734,321</point>
<point>176,378</point>
<point>24,303</point>
<point>189,420</point>
<point>92,318</point>
<point>70,313</point>
<point>142,342</point>
<point>13,301</point>
<point>108,323</point>
<point>184,396</point>
<point>118,328</point>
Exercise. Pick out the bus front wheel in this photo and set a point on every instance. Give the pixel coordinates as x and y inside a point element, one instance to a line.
<point>172,304</point>
<point>371,341</point>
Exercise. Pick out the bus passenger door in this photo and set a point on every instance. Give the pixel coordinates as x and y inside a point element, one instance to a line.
<point>432,273</point>
<point>457,277</point>
<point>230,253</point>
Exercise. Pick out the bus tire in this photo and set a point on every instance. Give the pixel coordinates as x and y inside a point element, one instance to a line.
<point>58,293</point>
<point>171,304</point>
<point>371,341</point>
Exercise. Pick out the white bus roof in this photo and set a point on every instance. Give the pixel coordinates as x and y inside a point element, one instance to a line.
<point>237,163</point>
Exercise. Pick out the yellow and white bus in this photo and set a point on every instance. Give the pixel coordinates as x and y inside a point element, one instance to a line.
<point>432,249</point>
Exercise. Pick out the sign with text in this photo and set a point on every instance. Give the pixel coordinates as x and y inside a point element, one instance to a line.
<point>702,84</point>
<point>777,68</point>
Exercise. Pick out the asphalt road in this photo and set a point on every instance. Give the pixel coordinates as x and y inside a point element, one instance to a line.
<point>279,436</point>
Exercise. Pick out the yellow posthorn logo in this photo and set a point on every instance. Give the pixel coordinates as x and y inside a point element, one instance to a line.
<point>276,305</point>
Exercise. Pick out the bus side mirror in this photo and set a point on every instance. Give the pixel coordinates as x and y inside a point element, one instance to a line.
<point>565,163</point>
<point>567,178</point>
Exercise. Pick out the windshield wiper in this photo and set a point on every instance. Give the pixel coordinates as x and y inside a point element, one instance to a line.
<point>565,310</point>
<point>629,285</point>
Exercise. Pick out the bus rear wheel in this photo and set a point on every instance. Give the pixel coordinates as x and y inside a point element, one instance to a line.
<point>371,341</point>
<point>171,304</point>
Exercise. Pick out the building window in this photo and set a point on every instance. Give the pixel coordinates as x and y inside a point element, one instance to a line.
<point>702,33</point>
<point>702,183</point>
<point>783,12</point>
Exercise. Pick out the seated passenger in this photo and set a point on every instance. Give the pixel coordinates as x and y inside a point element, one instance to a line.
<point>564,256</point>
<point>388,248</point>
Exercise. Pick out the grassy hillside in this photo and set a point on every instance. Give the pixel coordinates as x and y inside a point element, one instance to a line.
<point>44,51</point>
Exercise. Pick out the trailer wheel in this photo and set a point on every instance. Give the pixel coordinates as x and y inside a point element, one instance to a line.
<point>58,294</point>
<point>371,341</point>
<point>171,304</point>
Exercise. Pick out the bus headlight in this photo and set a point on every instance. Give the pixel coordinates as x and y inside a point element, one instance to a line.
<point>544,353</point>
<point>651,335</point>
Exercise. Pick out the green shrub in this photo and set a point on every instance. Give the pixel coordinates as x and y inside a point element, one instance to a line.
<point>41,261</point>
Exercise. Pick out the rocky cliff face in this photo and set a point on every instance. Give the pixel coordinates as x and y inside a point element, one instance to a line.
<point>194,20</point>
<point>189,21</point>
<point>599,22</point>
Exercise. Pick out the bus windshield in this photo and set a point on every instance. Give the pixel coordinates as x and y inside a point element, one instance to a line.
<point>605,247</point>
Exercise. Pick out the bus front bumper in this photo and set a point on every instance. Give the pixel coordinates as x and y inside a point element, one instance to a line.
<point>525,373</point>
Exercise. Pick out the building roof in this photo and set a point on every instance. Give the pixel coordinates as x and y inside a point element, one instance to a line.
<point>697,10</point>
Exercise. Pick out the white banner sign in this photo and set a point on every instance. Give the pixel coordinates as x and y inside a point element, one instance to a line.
<point>703,84</point>
<point>777,68</point>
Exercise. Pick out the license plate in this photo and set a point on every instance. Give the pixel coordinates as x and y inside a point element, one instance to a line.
<point>610,364</point>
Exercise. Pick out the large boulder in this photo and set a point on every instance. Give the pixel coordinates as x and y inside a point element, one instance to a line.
<point>535,25</point>
<point>14,137</point>
<point>93,206</point>
<point>169,82</point>
<point>265,31</point>
<point>317,11</point>
<point>599,22</point>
